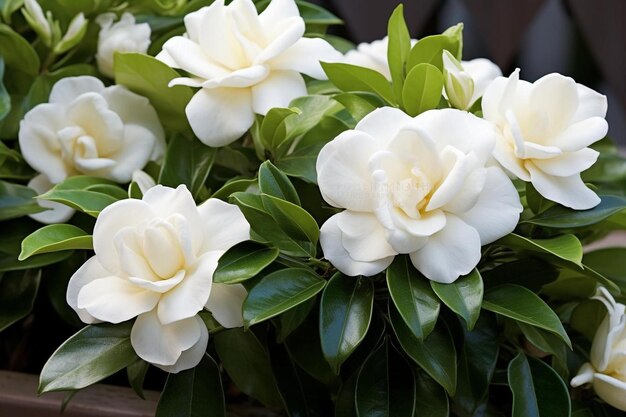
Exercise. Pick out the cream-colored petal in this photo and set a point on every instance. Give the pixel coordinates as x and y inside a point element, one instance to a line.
<point>277,90</point>
<point>191,357</point>
<point>57,212</point>
<point>224,225</point>
<point>363,237</point>
<point>90,271</point>
<point>305,56</point>
<point>569,191</point>
<point>66,90</point>
<point>226,304</point>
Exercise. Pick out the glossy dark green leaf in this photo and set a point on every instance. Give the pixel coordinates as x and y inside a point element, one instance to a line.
<point>9,262</point>
<point>415,300</point>
<point>302,395</point>
<point>17,295</point>
<point>294,220</point>
<point>587,317</point>
<point>566,247</point>
<point>422,89</point>
<point>247,363</point>
<point>243,261</point>
<point>274,128</point>
<point>345,404</point>
<point>429,49</point>
<point>399,46</point>
<point>538,391</point>
<point>17,201</point>
<point>477,363</point>
<point>610,262</point>
<point>353,78</point>
<point>536,202</point>
<point>545,341</point>
<point>5,98</point>
<point>235,186</point>
<point>275,183</point>
<point>149,77</point>
<point>278,292</point>
<point>75,192</point>
<point>532,273</point>
<point>436,354</point>
<point>136,373</point>
<point>92,354</point>
<point>566,218</point>
<point>431,398</point>
<point>195,392</point>
<point>464,296</point>
<point>53,238</point>
<point>521,304</point>
<point>301,163</point>
<point>385,385</point>
<point>316,15</point>
<point>345,314</point>
<point>292,319</point>
<point>186,162</point>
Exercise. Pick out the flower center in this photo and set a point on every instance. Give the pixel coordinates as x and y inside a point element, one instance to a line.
<point>412,194</point>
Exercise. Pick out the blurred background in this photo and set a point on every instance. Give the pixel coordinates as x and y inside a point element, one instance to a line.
<point>585,39</point>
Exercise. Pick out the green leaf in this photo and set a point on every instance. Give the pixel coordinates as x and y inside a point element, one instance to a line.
<point>610,262</point>
<point>290,320</point>
<point>521,304</point>
<point>17,201</point>
<point>429,50</point>
<point>431,398</point>
<point>345,315</point>
<point>234,186</point>
<point>354,78</point>
<point>5,98</point>
<point>312,14</point>
<point>267,229</point>
<point>358,104</point>
<point>536,202</point>
<point>399,46</point>
<point>532,273</point>
<point>17,52</point>
<point>243,261</point>
<point>294,220</point>
<point>537,389</point>
<point>92,354</point>
<point>273,128</point>
<point>18,291</point>
<point>477,363</point>
<point>415,300</point>
<point>186,162</point>
<point>149,77</point>
<point>565,218</point>
<point>9,262</point>
<point>75,192</point>
<point>422,89</point>
<point>566,247</point>
<point>247,363</point>
<point>436,354</point>
<point>301,163</point>
<point>53,238</point>
<point>278,292</point>
<point>194,392</point>
<point>464,296</point>
<point>545,341</point>
<point>385,385</point>
<point>136,373</point>
<point>273,182</point>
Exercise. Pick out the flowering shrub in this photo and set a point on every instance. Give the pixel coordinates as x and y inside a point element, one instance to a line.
<point>239,199</point>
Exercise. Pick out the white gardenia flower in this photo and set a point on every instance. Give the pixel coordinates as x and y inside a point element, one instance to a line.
<point>606,370</point>
<point>244,62</point>
<point>88,129</point>
<point>155,260</point>
<point>417,186</point>
<point>123,36</point>
<point>466,81</point>
<point>372,55</point>
<point>545,130</point>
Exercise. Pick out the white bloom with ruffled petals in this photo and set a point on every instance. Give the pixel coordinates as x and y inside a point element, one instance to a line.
<point>466,81</point>
<point>87,128</point>
<point>417,186</point>
<point>545,129</point>
<point>244,63</point>
<point>606,370</point>
<point>155,260</point>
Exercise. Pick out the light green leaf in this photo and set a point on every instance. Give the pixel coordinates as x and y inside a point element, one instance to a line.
<point>398,50</point>
<point>273,128</point>
<point>566,247</point>
<point>422,89</point>
<point>278,292</point>
<point>521,304</point>
<point>273,182</point>
<point>429,50</point>
<point>415,300</point>
<point>76,193</point>
<point>464,296</point>
<point>195,392</point>
<point>53,238</point>
<point>234,186</point>
<point>354,78</point>
<point>17,53</point>
<point>92,354</point>
<point>301,163</point>
<point>18,291</point>
<point>538,391</point>
<point>345,315</point>
<point>242,262</point>
<point>358,104</point>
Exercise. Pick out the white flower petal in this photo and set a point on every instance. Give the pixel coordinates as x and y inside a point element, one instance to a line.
<point>343,173</point>
<point>568,164</point>
<point>499,96</point>
<point>569,191</point>
<point>458,166</point>
<point>277,11</point>
<point>224,225</point>
<point>408,235</point>
<point>466,198</point>
<point>305,56</point>
<point>331,239</point>
<point>483,72</point>
<point>581,134</point>
<point>220,116</point>
<point>139,147</point>
<point>450,253</point>
<point>246,77</point>
<point>190,296</point>
<point>497,209</point>
<point>163,344</point>
<point>584,376</point>
<point>286,34</point>
<point>217,37</point>
<point>555,98</point>
<point>90,271</point>
<point>363,237</point>
<point>277,90</point>
<point>611,390</point>
<point>590,104</point>
<point>143,180</point>
<point>115,299</point>
<point>383,124</point>
<point>505,155</point>
<point>57,212</point>
<point>190,57</point>
<point>167,201</point>
<point>66,90</point>
<point>226,304</point>
<point>191,357</point>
